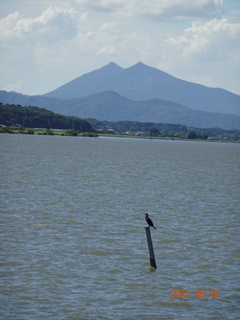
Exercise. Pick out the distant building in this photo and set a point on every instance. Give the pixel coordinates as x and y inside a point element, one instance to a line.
<point>141,134</point>
<point>111,131</point>
<point>16,126</point>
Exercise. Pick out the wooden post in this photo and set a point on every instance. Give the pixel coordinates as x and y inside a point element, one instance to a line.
<point>150,248</point>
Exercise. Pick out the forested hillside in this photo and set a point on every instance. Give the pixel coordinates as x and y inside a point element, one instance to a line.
<point>34,117</point>
<point>165,130</point>
<point>111,106</point>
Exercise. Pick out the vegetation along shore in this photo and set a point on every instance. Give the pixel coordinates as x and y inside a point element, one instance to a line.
<point>35,120</point>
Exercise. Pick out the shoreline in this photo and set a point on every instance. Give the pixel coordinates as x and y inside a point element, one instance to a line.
<point>65,133</point>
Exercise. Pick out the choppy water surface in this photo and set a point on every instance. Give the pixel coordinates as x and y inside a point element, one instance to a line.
<point>72,228</point>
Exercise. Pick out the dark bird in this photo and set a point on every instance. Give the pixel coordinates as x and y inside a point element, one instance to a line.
<point>149,221</point>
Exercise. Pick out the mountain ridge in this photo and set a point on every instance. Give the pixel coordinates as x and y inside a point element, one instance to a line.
<point>141,82</point>
<point>111,106</point>
<point>138,93</point>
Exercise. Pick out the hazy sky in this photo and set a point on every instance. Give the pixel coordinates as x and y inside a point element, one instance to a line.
<point>46,43</point>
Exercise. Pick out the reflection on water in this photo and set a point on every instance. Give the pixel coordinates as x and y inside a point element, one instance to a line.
<point>72,228</point>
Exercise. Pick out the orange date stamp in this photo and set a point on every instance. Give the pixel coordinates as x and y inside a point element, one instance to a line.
<point>196,294</point>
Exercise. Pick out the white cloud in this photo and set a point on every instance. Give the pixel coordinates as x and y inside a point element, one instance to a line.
<point>8,25</point>
<point>206,53</point>
<point>107,49</point>
<point>110,27</point>
<point>53,45</point>
<point>17,86</point>
<point>215,40</point>
<point>52,25</point>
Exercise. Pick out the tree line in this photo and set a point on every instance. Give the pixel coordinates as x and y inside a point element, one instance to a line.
<point>35,117</point>
<point>166,130</point>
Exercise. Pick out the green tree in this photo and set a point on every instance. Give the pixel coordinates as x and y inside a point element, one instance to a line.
<point>71,132</point>
<point>154,132</point>
<point>5,130</point>
<point>192,135</point>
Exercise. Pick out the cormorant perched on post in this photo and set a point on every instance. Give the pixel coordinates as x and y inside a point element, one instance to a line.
<point>149,221</point>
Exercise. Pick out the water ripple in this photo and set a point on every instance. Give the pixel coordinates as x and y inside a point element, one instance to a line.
<point>72,228</point>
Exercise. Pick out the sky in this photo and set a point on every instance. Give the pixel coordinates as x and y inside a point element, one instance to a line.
<point>47,43</point>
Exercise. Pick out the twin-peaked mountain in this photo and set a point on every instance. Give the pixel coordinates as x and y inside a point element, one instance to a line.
<point>141,82</point>
<point>138,93</point>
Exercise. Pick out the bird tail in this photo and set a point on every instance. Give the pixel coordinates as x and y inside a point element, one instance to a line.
<point>154,228</point>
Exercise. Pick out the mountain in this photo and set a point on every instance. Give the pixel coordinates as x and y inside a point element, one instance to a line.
<point>138,93</point>
<point>111,106</point>
<point>26,100</point>
<point>105,79</point>
<point>141,82</point>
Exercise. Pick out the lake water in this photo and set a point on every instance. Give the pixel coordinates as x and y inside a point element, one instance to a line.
<point>73,242</point>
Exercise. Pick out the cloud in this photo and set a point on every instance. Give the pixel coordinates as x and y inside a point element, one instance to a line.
<point>8,25</point>
<point>215,40</point>
<point>54,24</point>
<point>170,8</point>
<point>107,49</point>
<point>206,53</point>
<point>13,86</point>
<point>56,44</point>
<point>110,27</point>
<point>195,8</point>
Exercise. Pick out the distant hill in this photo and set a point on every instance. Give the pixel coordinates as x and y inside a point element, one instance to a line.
<point>26,100</point>
<point>141,82</point>
<point>165,130</point>
<point>34,117</point>
<point>111,106</point>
